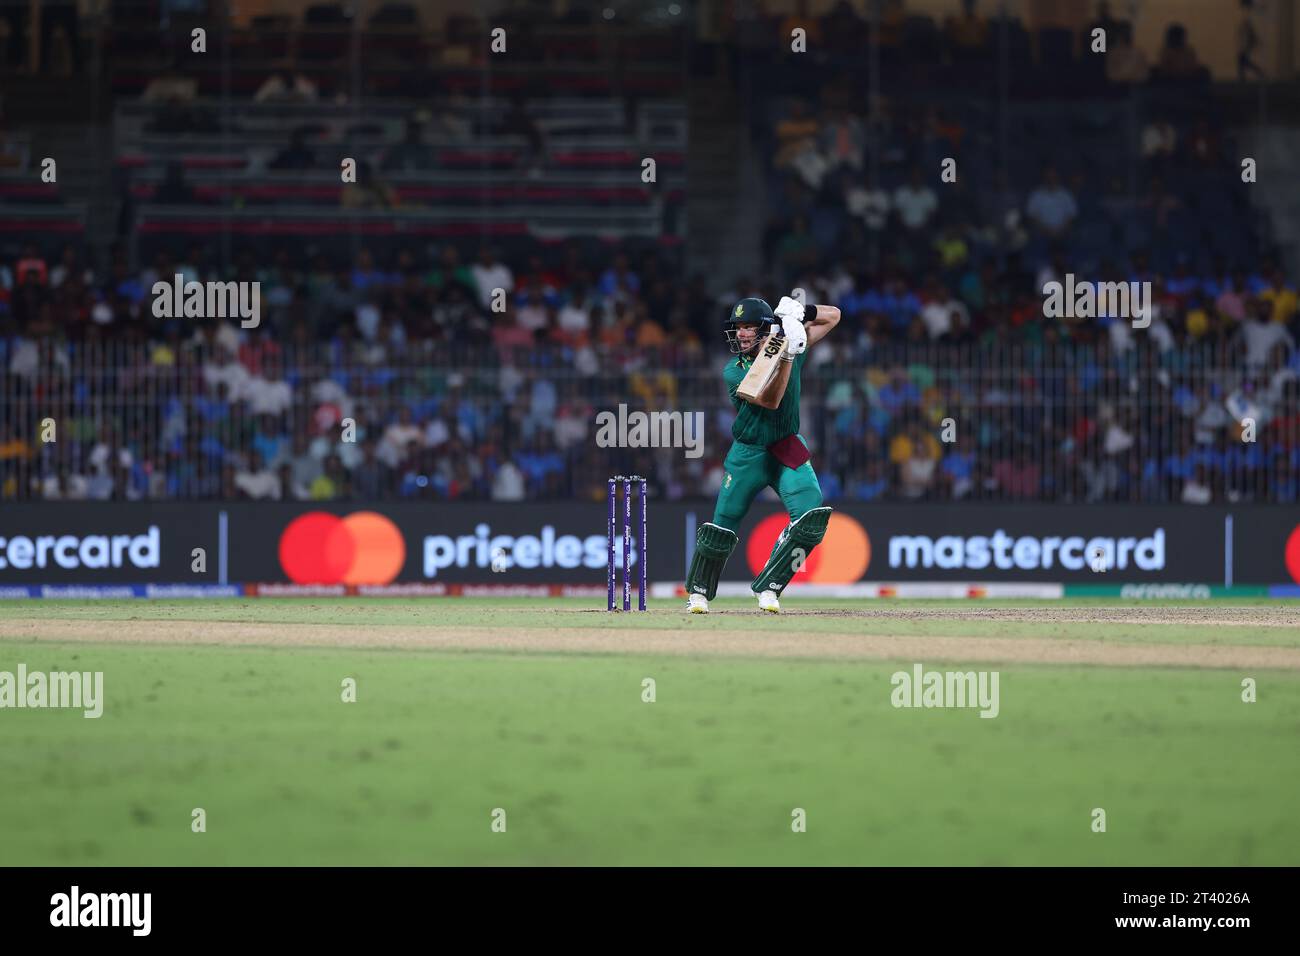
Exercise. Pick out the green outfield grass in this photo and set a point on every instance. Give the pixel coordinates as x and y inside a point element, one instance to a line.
<point>590,774</point>
<point>571,613</point>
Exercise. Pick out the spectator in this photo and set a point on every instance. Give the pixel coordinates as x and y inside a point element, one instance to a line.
<point>371,480</point>
<point>916,454</point>
<point>332,483</point>
<point>451,270</point>
<point>257,481</point>
<point>1197,490</point>
<point>508,483</point>
<point>332,442</point>
<point>131,485</point>
<point>304,467</point>
<point>286,86</point>
<point>1017,474</point>
<point>268,393</point>
<point>1281,296</point>
<point>944,314</point>
<point>1159,140</point>
<point>170,86</point>
<point>1126,64</point>
<point>1259,335</point>
<point>796,138</point>
<point>1232,300</point>
<point>531,312</point>
<point>915,202</point>
<point>951,248</point>
<point>31,267</point>
<point>868,202</point>
<point>491,274</point>
<point>1247,44</point>
<point>619,281</point>
<point>956,472</point>
<point>69,268</point>
<point>290,486</point>
<point>1051,207</point>
<point>1178,61</point>
<point>575,316</point>
<point>842,141</point>
<point>398,438</point>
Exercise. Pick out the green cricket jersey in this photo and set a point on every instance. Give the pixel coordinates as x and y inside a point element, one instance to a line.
<point>762,426</point>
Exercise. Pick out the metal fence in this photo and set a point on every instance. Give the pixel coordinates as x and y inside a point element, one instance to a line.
<point>1054,422</point>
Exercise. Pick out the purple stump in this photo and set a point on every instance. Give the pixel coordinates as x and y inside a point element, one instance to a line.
<point>612,498</point>
<point>642,556</point>
<point>627,544</point>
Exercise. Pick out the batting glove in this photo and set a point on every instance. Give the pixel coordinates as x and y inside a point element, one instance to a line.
<point>788,308</point>
<point>796,336</point>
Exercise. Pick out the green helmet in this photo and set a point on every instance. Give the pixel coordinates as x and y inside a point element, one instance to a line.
<point>752,309</point>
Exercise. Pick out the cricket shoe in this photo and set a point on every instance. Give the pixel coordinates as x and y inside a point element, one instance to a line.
<point>767,601</point>
<point>697,604</point>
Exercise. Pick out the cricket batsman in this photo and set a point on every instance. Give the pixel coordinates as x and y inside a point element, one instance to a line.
<point>767,450</point>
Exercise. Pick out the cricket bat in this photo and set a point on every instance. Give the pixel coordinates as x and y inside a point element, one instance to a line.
<point>766,364</point>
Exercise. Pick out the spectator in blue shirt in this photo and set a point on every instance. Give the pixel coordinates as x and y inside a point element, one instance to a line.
<point>619,276</point>
<point>899,393</point>
<point>1051,207</point>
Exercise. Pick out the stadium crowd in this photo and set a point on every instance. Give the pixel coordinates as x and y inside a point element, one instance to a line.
<point>453,400</point>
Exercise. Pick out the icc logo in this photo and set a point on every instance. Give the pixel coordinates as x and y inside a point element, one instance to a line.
<point>361,548</point>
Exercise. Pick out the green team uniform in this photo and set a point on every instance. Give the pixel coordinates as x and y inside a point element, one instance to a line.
<point>749,466</point>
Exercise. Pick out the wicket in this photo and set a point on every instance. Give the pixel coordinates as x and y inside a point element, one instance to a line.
<point>627,543</point>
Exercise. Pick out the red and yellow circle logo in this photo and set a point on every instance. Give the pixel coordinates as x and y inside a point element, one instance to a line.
<point>361,548</point>
<point>841,558</point>
<point>1292,554</point>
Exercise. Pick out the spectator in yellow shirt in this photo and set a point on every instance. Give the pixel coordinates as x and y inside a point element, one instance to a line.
<point>654,391</point>
<point>914,443</point>
<point>1281,297</point>
<point>12,448</point>
<point>794,134</point>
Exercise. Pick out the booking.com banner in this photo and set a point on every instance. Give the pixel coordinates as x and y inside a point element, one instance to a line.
<point>565,543</point>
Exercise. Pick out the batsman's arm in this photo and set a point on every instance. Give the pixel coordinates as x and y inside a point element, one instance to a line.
<point>822,321</point>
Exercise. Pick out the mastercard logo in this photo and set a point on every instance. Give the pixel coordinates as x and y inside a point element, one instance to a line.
<point>1292,554</point>
<point>361,548</point>
<point>841,558</point>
